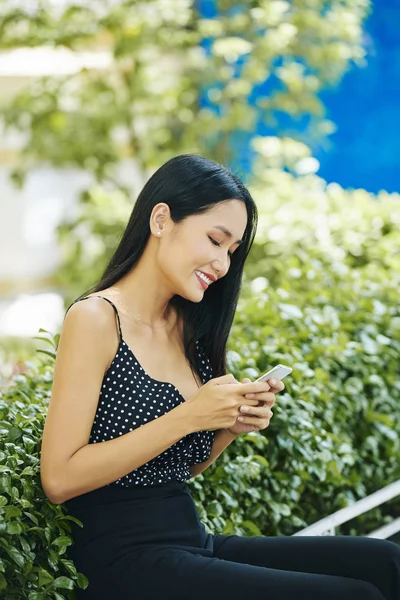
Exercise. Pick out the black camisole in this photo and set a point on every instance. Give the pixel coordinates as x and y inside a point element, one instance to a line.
<point>130,398</point>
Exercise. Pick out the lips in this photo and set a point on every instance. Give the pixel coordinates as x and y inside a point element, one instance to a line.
<point>203,284</point>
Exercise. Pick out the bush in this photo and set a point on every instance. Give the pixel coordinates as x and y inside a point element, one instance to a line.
<point>322,292</point>
<point>34,533</point>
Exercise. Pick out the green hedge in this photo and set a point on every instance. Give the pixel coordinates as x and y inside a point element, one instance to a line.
<point>321,294</point>
<point>34,533</point>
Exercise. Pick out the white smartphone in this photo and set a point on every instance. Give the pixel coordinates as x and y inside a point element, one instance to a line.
<point>278,372</point>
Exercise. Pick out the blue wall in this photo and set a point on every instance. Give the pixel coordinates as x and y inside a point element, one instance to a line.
<point>365,150</point>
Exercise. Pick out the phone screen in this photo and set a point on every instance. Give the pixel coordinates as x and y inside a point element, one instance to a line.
<point>278,372</point>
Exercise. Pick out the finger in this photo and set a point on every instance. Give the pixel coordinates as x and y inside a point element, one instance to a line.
<point>255,421</point>
<point>276,386</point>
<point>263,412</point>
<point>268,399</point>
<point>253,387</point>
<point>248,402</point>
<point>262,397</point>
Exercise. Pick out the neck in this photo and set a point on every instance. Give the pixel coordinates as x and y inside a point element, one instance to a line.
<point>144,293</point>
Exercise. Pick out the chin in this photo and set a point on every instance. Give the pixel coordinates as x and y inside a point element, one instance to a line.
<point>192,295</point>
<point>196,298</point>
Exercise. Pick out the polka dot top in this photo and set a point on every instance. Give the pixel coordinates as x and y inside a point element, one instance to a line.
<point>130,398</point>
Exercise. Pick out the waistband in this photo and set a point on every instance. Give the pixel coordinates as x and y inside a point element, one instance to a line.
<point>114,493</point>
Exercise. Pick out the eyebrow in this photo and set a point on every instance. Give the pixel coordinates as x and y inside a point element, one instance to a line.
<point>228,233</point>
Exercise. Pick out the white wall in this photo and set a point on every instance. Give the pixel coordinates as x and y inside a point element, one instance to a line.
<point>29,217</point>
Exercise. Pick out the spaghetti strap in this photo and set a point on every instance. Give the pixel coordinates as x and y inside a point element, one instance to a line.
<point>109,302</point>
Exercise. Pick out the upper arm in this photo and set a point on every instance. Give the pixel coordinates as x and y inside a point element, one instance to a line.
<point>87,344</point>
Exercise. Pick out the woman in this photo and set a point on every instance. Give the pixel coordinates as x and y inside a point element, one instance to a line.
<point>141,402</point>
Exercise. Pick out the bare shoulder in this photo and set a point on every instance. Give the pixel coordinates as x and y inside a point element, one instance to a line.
<point>91,323</point>
<point>92,308</point>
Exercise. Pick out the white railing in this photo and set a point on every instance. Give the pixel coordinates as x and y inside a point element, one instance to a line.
<point>327,525</point>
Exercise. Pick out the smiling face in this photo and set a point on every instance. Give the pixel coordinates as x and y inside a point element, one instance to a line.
<point>198,250</point>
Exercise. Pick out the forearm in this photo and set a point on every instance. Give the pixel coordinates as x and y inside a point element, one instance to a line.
<point>221,441</point>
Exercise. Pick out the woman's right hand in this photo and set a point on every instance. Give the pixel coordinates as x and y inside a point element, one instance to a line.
<point>217,403</point>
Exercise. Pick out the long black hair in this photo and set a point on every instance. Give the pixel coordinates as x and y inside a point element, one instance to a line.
<point>190,184</point>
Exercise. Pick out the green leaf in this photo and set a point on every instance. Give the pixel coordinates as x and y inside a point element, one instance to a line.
<point>251,527</point>
<point>32,517</point>
<point>48,352</point>
<point>14,528</point>
<point>62,582</point>
<point>16,556</point>
<point>44,577</point>
<point>82,581</point>
<point>3,582</point>
<point>12,512</point>
<point>262,460</point>
<point>14,434</point>
<point>62,541</point>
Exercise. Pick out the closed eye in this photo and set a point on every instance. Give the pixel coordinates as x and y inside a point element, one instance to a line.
<point>218,244</point>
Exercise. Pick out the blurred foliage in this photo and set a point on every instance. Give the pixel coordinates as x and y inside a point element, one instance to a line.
<point>14,351</point>
<point>346,229</point>
<point>146,104</point>
<point>87,241</point>
<point>321,228</point>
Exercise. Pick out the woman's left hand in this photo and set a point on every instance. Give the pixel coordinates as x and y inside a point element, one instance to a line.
<point>257,417</point>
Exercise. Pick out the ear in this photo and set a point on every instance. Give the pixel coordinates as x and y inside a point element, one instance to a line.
<point>159,216</point>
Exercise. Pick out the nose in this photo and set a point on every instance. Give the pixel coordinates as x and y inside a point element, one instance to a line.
<point>221,266</point>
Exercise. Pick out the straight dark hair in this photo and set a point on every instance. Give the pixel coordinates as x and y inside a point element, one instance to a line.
<point>190,185</point>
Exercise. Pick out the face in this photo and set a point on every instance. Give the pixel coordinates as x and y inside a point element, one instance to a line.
<point>196,252</point>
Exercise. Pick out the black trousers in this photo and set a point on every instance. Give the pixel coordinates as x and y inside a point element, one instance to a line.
<point>149,544</point>
<point>273,568</point>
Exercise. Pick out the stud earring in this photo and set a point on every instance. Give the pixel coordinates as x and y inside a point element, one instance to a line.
<point>158,232</point>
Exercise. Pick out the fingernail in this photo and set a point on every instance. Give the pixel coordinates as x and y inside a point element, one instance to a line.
<point>272,381</point>
<point>250,396</point>
<point>244,408</point>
